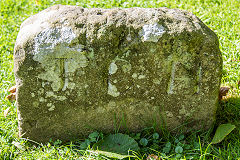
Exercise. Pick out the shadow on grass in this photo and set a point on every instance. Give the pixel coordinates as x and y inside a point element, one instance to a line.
<point>229,111</point>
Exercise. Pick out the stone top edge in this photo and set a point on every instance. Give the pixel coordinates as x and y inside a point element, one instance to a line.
<point>61,8</point>
<point>57,14</point>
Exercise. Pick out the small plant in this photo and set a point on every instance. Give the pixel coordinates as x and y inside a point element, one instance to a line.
<point>92,138</point>
<point>57,143</point>
<point>116,146</point>
<point>167,147</point>
<point>222,131</point>
<point>143,142</point>
<point>85,144</point>
<point>155,136</point>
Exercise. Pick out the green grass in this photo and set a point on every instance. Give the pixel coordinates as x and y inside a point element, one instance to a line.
<point>222,16</point>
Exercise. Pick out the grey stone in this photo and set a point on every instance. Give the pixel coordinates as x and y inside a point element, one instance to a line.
<point>80,70</point>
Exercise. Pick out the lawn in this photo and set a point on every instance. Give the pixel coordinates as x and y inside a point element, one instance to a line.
<point>222,16</point>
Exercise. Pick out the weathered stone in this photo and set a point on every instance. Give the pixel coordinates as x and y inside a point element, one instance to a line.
<point>80,70</point>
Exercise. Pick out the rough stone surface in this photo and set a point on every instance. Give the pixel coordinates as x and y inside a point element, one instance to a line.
<point>80,70</point>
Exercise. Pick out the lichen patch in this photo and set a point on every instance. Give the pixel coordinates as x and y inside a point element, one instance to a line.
<point>52,49</point>
<point>126,68</point>
<point>156,81</point>
<point>151,32</point>
<point>113,68</point>
<point>51,107</point>
<point>51,94</point>
<point>134,75</point>
<point>112,90</point>
<point>141,76</point>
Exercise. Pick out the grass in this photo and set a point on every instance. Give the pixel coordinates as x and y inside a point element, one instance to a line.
<point>222,16</point>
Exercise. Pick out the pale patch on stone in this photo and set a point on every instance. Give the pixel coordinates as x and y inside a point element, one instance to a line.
<point>61,98</point>
<point>134,75</point>
<point>126,68</point>
<point>169,114</point>
<point>129,37</point>
<point>71,65</point>
<point>66,69</point>
<point>43,84</point>
<point>65,86</point>
<point>67,92</point>
<point>171,83</point>
<point>126,54</point>
<point>52,107</point>
<point>183,111</point>
<point>91,54</point>
<point>35,103</point>
<point>49,40</point>
<point>29,29</point>
<point>32,94</point>
<point>41,99</point>
<point>151,32</point>
<point>51,94</point>
<point>156,81</point>
<point>82,62</point>
<point>153,50</point>
<point>64,21</point>
<point>142,62</point>
<point>52,50</point>
<point>141,76</point>
<point>49,104</point>
<point>80,93</point>
<point>100,110</point>
<point>52,75</point>
<point>199,78</point>
<point>113,68</point>
<point>179,117</point>
<point>111,104</point>
<point>71,85</point>
<point>40,91</point>
<point>30,68</point>
<point>205,53</point>
<point>112,90</point>
<point>115,81</point>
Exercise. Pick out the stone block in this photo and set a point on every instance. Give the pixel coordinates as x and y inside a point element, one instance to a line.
<point>81,70</point>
